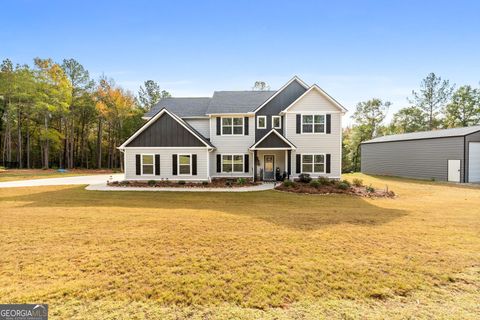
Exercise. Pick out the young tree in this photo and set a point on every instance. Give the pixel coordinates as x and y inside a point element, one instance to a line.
<point>410,119</point>
<point>431,99</point>
<point>150,94</point>
<point>464,109</point>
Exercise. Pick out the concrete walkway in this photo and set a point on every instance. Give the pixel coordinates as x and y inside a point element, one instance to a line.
<point>75,180</point>
<point>104,187</point>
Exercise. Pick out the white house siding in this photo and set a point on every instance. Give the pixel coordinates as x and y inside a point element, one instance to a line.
<point>315,102</point>
<point>231,145</point>
<point>166,163</point>
<point>201,125</point>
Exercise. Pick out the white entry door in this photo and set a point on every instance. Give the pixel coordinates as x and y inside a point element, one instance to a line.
<point>474,162</point>
<point>454,170</point>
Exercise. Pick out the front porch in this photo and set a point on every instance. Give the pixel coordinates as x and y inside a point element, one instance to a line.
<point>272,156</point>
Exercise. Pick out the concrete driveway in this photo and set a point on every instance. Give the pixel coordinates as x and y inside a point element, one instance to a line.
<point>93,179</point>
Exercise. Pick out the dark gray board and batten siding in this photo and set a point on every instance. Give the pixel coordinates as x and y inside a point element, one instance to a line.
<point>276,105</point>
<point>420,159</point>
<point>166,132</point>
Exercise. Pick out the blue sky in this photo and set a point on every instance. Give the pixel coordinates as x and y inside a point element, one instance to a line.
<point>355,50</point>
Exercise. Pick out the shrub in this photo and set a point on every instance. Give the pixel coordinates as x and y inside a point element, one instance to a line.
<point>370,189</point>
<point>151,183</point>
<point>205,183</point>
<point>228,183</point>
<point>346,182</point>
<point>181,182</point>
<point>304,177</point>
<point>324,181</point>
<point>343,186</point>
<point>288,183</point>
<point>358,182</point>
<point>241,181</point>
<point>315,184</point>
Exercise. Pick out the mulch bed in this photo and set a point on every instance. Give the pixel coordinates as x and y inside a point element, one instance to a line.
<point>216,183</point>
<point>300,187</point>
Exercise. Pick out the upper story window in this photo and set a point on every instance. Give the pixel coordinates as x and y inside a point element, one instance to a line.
<point>313,123</point>
<point>148,163</point>
<point>277,122</point>
<point>262,122</point>
<point>232,126</point>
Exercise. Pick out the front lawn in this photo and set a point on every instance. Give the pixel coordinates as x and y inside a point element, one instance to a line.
<point>268,255</point>
<point>28,174</point>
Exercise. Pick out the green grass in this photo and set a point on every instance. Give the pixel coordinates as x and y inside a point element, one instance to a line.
<point>268,255</point>
<point>27,174</point>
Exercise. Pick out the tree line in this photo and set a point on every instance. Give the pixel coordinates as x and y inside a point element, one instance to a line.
<point>54,115</point>
<point>437,104</point>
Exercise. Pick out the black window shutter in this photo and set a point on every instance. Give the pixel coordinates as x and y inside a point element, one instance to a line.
<point>219,163</point>
<point>157,164</point>
<point>328,164</point>
<point>299,123</point>
<point>174,164</point>
<point>137,165</point>
<point>245,123</point>
<point>246,163</point>
<point>219,126</point>
<point>329,123</point>
<point>298,163</point>
<point>194,164</point>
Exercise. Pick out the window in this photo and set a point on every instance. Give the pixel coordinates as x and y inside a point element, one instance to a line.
<point>313,123</point>
<point>262,122</point>
<point>277,122</point>
<point>232,126</point>
<point>184,164</point>
<point>313,163</point>
<point>148,161</point>
<point>232,163</point>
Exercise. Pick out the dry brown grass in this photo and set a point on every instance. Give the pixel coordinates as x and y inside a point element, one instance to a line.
<point>269,255</point>
<point>27,174</point>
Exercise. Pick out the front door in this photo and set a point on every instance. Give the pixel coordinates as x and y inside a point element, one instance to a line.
<point>268,167</point>
<point>454,170</point>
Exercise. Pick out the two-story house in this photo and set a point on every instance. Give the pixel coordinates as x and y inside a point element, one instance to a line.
<point>252,134</point>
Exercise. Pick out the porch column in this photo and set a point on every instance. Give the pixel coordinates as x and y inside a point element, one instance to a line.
<point>254,165</point>
<point>289,166</point>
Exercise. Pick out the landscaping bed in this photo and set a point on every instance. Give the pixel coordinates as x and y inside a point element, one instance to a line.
<point>215,183</point>
<point>305,184</point>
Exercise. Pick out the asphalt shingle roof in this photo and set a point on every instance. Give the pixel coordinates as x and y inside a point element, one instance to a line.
<point>221,102</point>
<point>237,101</point>
<point>443,133</point>
<point>182,107</point>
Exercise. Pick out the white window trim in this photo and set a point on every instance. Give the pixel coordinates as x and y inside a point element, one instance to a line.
<point>313,123</point>
<point>233,154</point>
<point>279,122</point>
<point>313,162</point>
<point>232,126</point>
<point>178,164</point>
<point>258,122</point>
<point>141,164</point>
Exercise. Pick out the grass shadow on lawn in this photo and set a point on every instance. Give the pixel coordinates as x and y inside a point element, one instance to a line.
<point>296,211</point>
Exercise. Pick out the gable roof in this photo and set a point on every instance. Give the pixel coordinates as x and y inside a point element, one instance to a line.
<point>183,107</point>
<point>326,95</point>
<point>443,133</point>
<point>237,101</point>
<point>152,120</point>
<point>276,139</point>
<point>295,78</point>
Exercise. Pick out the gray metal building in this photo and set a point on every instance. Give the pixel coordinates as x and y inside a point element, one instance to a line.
<point>445,155</point>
